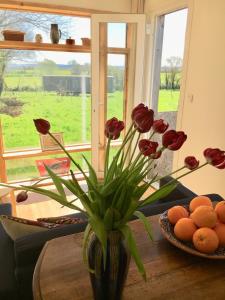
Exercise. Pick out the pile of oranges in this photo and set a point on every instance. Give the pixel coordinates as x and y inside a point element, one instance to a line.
<point>203,224</point>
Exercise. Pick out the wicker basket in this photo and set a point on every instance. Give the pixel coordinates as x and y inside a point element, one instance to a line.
<point>11,35</point>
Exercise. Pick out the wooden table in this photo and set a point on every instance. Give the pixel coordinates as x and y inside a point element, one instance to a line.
<point>171,273</point>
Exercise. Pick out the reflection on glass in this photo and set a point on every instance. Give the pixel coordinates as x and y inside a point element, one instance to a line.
<point>172,60</point>
<point>116,74</point>
<point>53,86</point>
<point>30,168</point>
<point>117,35</point>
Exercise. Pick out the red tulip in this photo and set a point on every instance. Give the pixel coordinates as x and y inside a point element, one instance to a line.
<point>215,157</point>
<point>142,118</point>
<point>173,140</point>
<point>191,162</point>
<point>42,126</point>
<point>147,147</point>
<point>113,127</point>
<point>160,126</point>
<point>22,196</point>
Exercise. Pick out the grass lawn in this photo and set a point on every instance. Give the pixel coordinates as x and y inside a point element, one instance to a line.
<point>168,100</point>
<point>68,114</point>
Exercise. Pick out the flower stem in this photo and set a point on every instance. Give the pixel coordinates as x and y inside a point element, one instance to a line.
<point>206,163</point>
<point>138,138</point>
<point>128,149</point>
<point>151,135</point>
<point>65,151</point>
<point>175,179</point>
<point>169,174</point>
<point>107,158</point>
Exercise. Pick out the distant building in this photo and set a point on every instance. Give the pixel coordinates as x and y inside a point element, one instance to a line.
<point>71,84</point>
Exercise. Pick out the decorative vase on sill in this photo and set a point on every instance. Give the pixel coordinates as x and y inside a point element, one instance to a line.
<point>108,283</point>
<point>55,34</point>
<point>110,203</point>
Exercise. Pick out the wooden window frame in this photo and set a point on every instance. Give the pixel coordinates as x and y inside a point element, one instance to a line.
<point>134,58</point>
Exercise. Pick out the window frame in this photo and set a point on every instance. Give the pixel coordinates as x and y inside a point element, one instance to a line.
<point>99,65</point>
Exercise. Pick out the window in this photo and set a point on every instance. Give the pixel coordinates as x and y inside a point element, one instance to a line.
<point>53,81</point>
<point>167,73</point>
<point>169,60</point>
<point>108,29</point>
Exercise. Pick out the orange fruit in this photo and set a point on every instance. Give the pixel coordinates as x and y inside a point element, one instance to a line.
<point>184,229</point>
<point>204,216</point>
<point>198,201</point>
<point>205,240</point>
<point>220,210</point>
<point>176,213</point>
<point>220,231</point>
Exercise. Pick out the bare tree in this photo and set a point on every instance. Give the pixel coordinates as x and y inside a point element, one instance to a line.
<point>27,22</point>
<point>172,71</point>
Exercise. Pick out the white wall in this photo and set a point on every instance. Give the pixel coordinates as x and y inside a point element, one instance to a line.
<point>122,6</point>
<point>203,119</point>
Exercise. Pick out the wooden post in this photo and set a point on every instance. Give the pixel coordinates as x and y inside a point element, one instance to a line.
<point>103,93</point>
<point>3,175</point>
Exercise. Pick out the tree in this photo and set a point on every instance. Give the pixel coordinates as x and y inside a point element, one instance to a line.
<point>47,67</point>
<point>27,22</point>
<point>172,71</point>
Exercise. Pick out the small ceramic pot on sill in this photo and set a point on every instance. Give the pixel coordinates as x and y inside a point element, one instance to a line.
<point>70,41</point>
<point>86,42</point>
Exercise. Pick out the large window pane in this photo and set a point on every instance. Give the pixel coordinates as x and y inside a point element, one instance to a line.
<point>115,96</point>
<point>53,86</point>
<point>172,60</point>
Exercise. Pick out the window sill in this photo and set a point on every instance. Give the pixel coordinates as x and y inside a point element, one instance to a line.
<point>38,152</point>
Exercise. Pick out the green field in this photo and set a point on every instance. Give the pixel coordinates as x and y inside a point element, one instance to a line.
<point>68,114</point>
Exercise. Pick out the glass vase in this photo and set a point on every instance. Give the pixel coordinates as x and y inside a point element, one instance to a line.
<point>108,283</point>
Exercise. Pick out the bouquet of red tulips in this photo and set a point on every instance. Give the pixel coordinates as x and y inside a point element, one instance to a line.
<point>110,203</point>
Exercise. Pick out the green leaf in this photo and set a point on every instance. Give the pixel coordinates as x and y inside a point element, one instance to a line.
<point>140,190</point>
<point>120,197</point>
<point>92,174</point>
<point>99,229</point>
<point>71,187</point>
<point>130,211</point>
<point>82,196</point>
<point>145,221</point>
<point>110,187</point>
<point>51,195</point>
<point>87,233</point>
<point>108,218</point>
<point>91,187</point>
<point>95,208</point>
<point>57,182</point>
<point>161,193</point>
<point>112,169</point>
<point>131,244</point>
